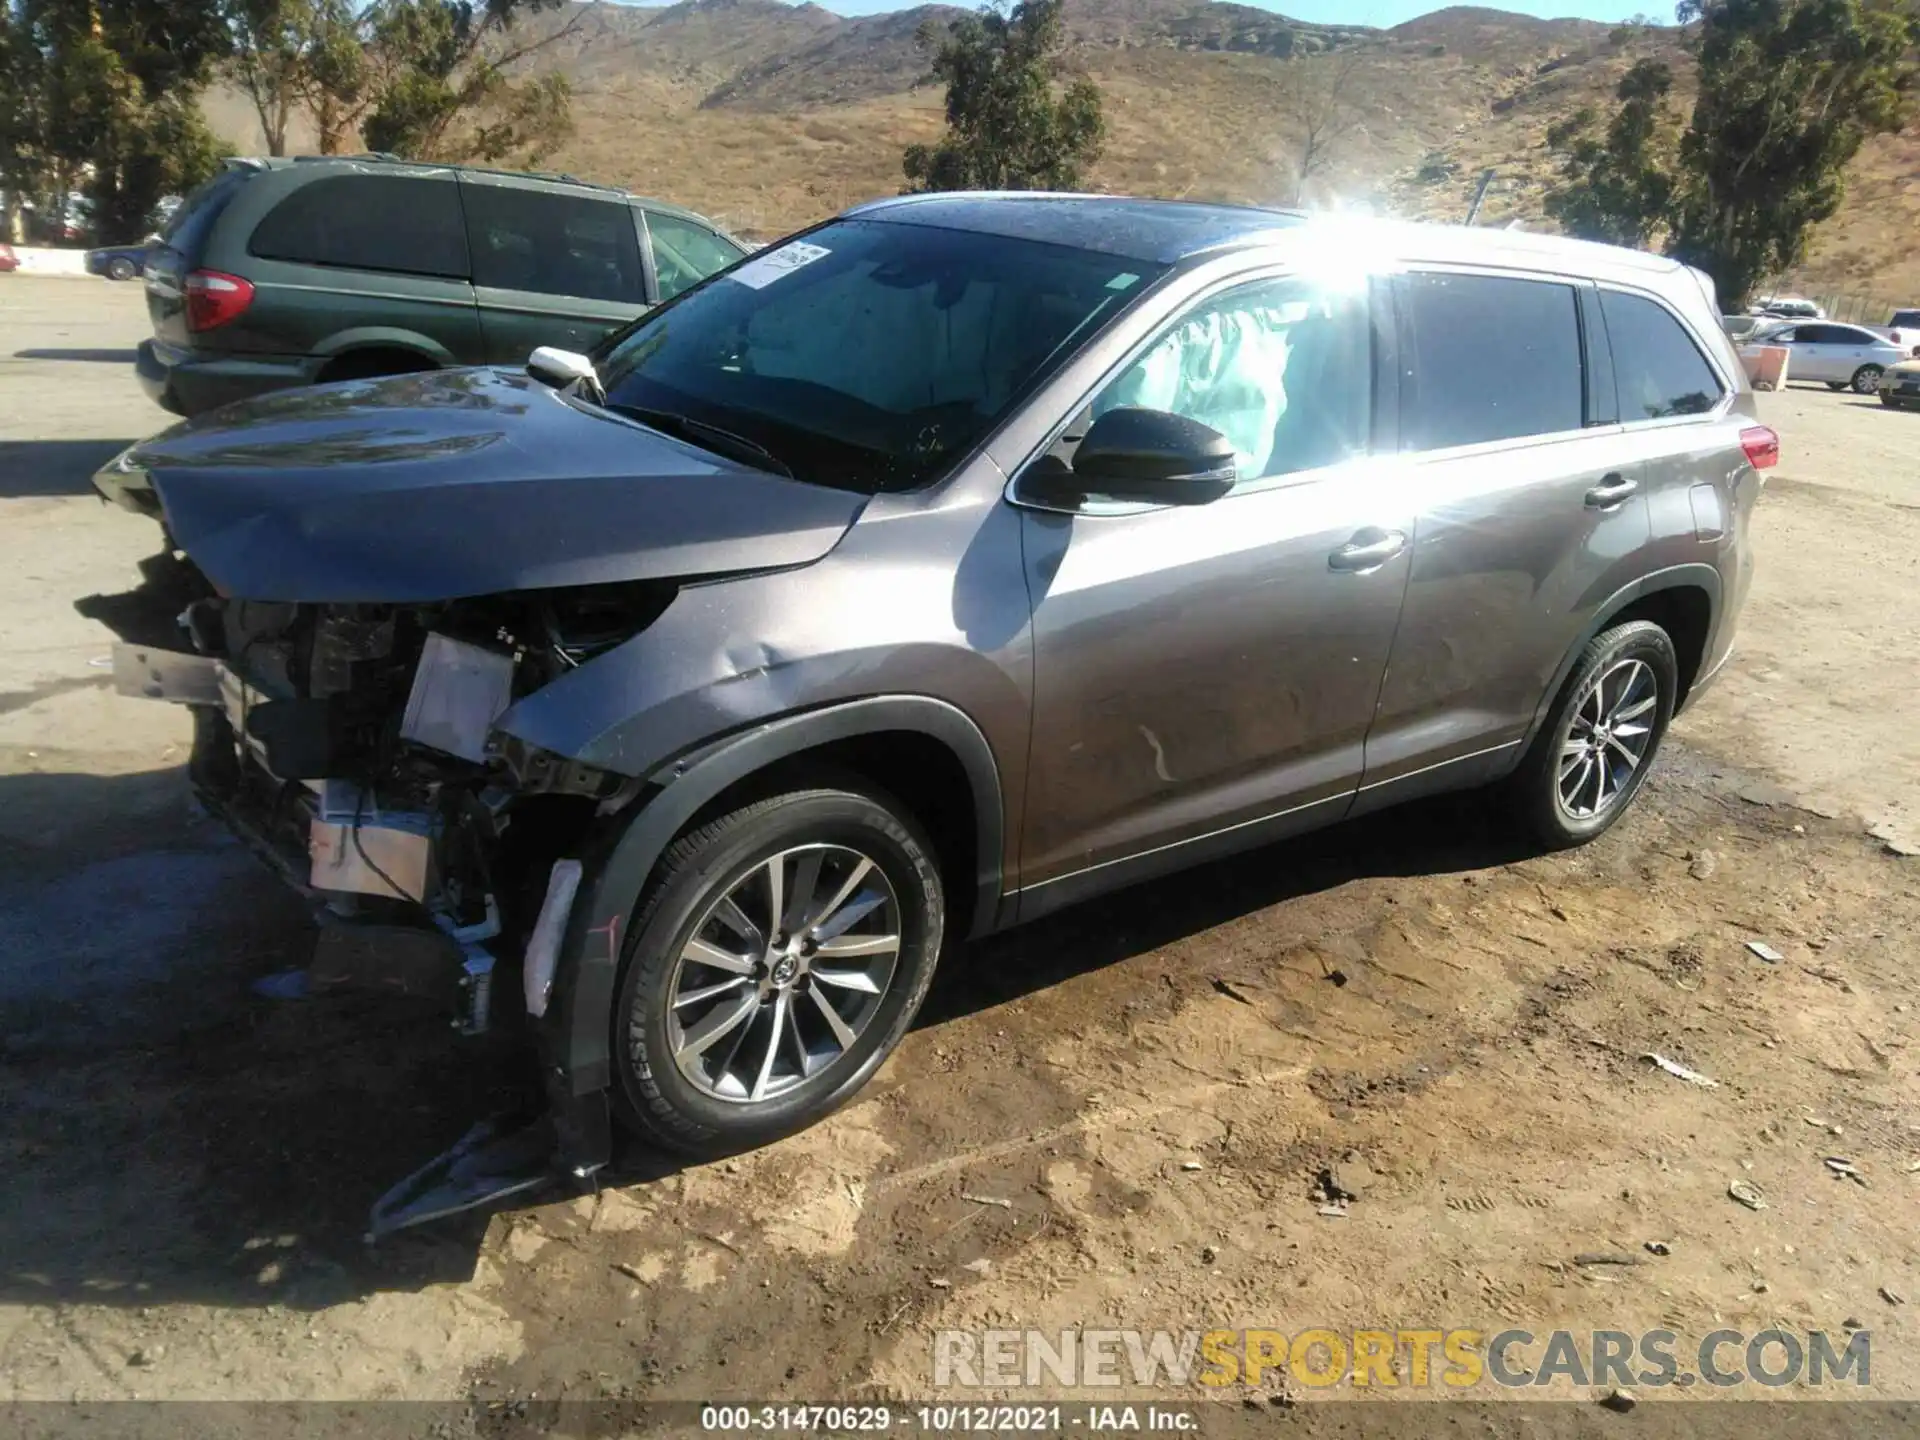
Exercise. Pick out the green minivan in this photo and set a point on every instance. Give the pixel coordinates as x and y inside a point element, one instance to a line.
<point>297,271</point>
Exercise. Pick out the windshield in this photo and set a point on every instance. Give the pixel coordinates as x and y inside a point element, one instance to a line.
<point>869,355</point>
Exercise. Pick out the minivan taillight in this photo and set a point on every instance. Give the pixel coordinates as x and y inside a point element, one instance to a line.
<point>214,298</point>
<point>1762,447</point>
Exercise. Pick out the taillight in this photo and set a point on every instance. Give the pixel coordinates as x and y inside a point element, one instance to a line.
<point>214,298</point>
<point>1762,447</point>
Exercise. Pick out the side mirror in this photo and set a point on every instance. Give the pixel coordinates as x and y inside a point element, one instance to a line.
<point>1153,457</point>
<point>561,368</point>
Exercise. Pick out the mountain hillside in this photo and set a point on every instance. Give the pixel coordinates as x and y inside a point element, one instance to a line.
<point>768,115</point>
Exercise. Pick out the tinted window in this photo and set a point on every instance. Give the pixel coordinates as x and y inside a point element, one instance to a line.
<point>1659,369</point>
<point>192,221</point>
<point>1818,335</point>
<point>368,222</point>
<point>1904,320</point>
<point>1283,369</point>
<point>1491,359</point>
<point>553,243</point>
<point>869,355</point>
<point>684,253</point>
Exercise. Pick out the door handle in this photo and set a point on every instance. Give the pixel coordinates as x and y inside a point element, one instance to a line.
<point>1360,556</point>
<point>1611,491</point>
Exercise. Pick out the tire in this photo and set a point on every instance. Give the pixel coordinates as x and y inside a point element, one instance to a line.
<point>738,1090</point>
<point>1538,790</point>
<point>1887,400</point>
<point>1866,379</point>
<point>121,268</point>
<point>1836,384</point>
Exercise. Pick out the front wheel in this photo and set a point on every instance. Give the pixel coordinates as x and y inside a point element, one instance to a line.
<point>1592,755</point>
<point>1866,379</point>
<point>778,958</point>
<point>120,269</point>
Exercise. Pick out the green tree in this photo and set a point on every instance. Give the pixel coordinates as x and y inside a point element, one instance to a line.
<point>102,96</point>
<point>1006,128</point>
<point>429,79</point>
<point>1619,188</point>
<point>446,87</point>
<point>1788,92</point>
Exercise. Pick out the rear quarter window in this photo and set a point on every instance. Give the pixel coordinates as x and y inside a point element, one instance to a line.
<point>1659,370</point>
<point>193,221</point>
<point>1491,358</point>
<point>406,224</point>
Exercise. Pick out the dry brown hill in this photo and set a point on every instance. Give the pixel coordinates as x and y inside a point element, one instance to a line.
<point>768,115</point>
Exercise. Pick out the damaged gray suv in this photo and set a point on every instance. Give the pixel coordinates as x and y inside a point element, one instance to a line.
<point>962,558</point>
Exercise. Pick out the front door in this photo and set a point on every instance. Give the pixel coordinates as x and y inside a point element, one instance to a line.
<point>1530,510</point>
<point>1208,670</point>
<point>1825,352</point>
<point>549,267</point>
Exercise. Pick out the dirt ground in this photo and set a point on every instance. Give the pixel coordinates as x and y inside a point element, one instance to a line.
<point>1143,1092</point>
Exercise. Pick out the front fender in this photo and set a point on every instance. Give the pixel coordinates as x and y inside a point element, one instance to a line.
<point>579,1025</point>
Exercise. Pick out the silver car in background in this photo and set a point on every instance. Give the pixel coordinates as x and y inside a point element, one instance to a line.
<point>1844,356</point>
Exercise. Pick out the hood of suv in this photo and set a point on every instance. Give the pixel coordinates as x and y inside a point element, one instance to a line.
<point>456,483</point>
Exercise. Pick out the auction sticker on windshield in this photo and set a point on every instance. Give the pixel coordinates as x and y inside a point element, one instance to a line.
<point>763,270</point>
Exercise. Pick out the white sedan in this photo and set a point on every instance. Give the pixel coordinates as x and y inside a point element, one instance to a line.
<point>1845,356</point>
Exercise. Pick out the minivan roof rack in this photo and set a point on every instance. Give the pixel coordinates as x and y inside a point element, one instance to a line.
<point>392,159</point>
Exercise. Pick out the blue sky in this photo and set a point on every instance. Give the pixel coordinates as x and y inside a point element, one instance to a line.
<point>1377,12</point>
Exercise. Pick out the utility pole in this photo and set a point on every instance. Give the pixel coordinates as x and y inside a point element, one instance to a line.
<point>1479,195</point>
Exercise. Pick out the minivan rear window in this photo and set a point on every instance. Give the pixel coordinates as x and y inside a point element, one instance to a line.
<point>403,223</point>
<point>1660,371</point>
<point>1491,359</point>
<point>192,221</point>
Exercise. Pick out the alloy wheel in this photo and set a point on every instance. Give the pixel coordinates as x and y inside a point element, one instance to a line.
<point>1607,739</point>
<point>783,973</point>
<point>1866,379</point>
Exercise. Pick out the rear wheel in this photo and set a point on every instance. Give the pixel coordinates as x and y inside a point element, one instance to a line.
<point>1592,755</point>
<point>778,958</point>
<point>1866,379</point>
<point>120,268</point>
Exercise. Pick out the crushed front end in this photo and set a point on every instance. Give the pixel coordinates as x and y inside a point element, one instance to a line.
<point>352,748</point>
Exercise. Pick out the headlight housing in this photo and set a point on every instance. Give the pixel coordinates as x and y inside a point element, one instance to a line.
<point>125,481</point>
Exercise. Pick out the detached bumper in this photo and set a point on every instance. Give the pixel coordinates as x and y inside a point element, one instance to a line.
<point>188,382</point>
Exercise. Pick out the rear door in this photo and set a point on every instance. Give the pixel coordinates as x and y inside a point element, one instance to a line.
<point>1527,516</point>
<point>362,256</point>
<point>550,267</point>
<point>1821,352</point>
